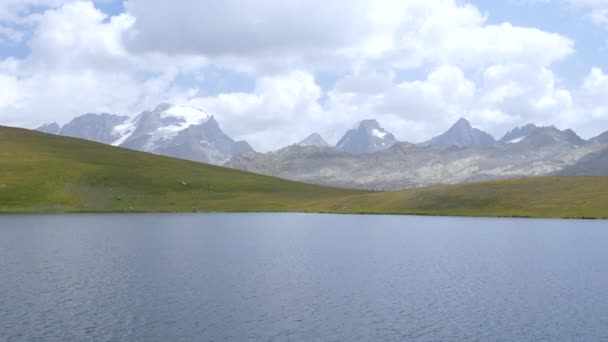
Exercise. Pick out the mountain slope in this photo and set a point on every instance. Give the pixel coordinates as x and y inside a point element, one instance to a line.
<point>94,127</point>
<point>602,138</point>
<point>314,139</point>
<point>409,166</point>
<point>176,131</point>
<point>462,134</point>
<point>367,137</point>
<point>551,136</point>
<point>50,128</point>
<point>518,134</point>
<point>569,197</point>
<point>47,173</point>
<point>594,164</point>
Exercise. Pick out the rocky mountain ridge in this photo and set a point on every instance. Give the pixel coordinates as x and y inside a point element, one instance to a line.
<point>366,157</point>
<point>176,131</point>
<point>472,155</point>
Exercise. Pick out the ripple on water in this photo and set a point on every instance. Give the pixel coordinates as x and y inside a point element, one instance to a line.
<point>301,277</point>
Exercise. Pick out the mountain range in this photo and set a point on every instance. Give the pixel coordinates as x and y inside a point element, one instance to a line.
<point>462,154</point>
<point>176,131</point>
<point>42,173</point>
<point>366,157</point>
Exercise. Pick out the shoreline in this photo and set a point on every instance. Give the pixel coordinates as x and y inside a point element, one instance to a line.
<point>362,213</point>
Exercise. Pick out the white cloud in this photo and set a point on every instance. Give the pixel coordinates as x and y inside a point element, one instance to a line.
<point>597,9</point>
<point>505,95</point>
<point>17,10</point>
<point>78,64</point>
<point>499,75</point>
<point>11,34</point>
<point>281,109</point>
<point>594,94</point>
<point>317,35</point>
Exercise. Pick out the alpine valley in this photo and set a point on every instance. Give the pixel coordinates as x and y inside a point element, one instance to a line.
<point>367,157</point>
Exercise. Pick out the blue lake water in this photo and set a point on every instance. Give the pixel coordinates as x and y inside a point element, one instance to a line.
<point>239,277</point>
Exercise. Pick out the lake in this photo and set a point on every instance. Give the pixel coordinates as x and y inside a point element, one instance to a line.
<point>239,277</point>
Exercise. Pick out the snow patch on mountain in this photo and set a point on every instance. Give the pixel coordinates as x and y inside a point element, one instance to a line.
<point>378,133</point>
<point>516,140</point>
<point>367,137</point>
<point>124,131</point>
<point>190,115</point>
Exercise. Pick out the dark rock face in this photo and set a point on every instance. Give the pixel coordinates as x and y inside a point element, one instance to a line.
<point>203,143</point>
<point>94,127</point>
<point>314,139</point>
<point>551,136</point>
<point>181,132</point>
<point>518,134</point>
<point>367,137</point>
<point>462,134</point>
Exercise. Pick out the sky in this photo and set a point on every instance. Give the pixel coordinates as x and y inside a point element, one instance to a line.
<point>274,71</point>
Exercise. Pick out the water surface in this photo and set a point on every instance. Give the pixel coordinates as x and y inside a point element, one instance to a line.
<point>239,277</point>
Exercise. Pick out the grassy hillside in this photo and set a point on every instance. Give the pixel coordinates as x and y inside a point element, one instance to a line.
<point>568,197</point>
<point>43,173</point>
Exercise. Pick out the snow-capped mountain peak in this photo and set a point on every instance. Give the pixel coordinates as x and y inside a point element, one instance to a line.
<point>190,115</point>
<point>177,131</point>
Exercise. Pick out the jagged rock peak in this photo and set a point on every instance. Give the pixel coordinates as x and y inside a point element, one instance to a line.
<point>315,139</point>
<point>367,137</point>
<point>462,134</point>
<point>517,134</point>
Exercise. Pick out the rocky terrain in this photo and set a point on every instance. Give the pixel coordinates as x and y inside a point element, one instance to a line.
<point>176,131</point>
<point>367,137</point>
<point>314,139</point>
<point>366,157</point>
<point>462,134</point>
<point>524,152</point>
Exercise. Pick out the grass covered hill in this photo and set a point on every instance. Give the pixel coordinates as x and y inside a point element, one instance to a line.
<point>565,197</point>
<point>46,173</point>
<point>42,173</point>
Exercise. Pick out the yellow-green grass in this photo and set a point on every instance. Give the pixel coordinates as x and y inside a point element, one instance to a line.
<point>41,173</point>
<point>560,197</point>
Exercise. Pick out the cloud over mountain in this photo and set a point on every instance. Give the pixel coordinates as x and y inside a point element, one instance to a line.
<point>277,69</point>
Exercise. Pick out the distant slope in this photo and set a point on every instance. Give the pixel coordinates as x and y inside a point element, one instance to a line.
<point>45,173</point>
<point>572,197</point>
<point>595,164</point>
